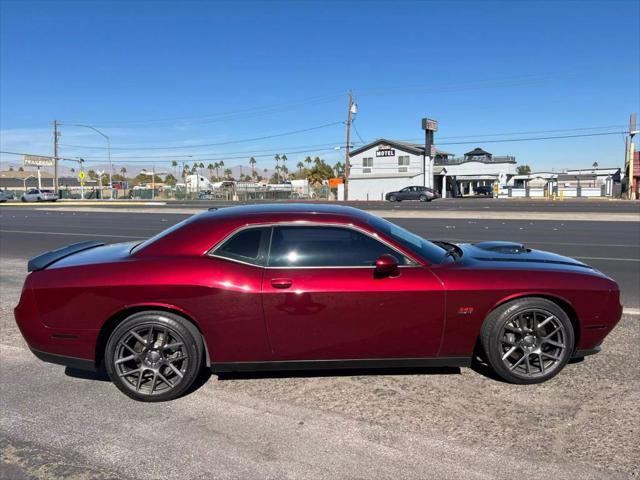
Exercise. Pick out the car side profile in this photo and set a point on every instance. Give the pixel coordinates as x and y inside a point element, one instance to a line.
<point>291,287</point>
<point>39,195</point>
<point>414,192</point>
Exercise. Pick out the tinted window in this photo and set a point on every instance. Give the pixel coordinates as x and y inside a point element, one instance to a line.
<point>244,246</point>
<point>418,245</point>
<point>325,247</point>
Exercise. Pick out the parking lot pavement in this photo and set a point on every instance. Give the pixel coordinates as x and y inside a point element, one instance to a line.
<point>444,423</point>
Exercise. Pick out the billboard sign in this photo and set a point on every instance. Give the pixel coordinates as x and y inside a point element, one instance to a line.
<point>37,161</point>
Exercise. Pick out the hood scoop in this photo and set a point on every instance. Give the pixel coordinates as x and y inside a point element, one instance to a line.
<point>502,247</point>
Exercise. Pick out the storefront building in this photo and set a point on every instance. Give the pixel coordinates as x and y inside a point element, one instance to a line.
<point>385,166</point>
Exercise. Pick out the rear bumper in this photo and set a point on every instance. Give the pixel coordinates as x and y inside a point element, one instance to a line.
<point>73,362</point>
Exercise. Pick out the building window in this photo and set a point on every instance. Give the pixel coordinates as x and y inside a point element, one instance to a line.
<point>403,163</point>
<point>367,163</point>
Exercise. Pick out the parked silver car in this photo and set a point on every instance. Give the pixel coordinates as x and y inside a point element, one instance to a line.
<point>38,195</point>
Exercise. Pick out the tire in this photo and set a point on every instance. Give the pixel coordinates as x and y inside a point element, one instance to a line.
<point>423,198</point>
<point>392,198</point>
<point>22,199</point>
<point>158,373</point>
<point>521,352</point>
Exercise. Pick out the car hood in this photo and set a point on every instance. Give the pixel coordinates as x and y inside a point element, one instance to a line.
<point>500,254</point>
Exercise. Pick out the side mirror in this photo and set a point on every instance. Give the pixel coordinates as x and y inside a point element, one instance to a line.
<point>386,265</point>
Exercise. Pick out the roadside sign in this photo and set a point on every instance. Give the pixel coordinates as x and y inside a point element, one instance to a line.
<point>37,161</point>
<point>81,176</point>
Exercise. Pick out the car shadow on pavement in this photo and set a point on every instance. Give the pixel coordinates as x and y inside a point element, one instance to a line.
<point>99,375</point>
<point>350,372</point>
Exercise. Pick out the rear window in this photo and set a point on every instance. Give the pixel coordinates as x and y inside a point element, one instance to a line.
<point>245,246</point>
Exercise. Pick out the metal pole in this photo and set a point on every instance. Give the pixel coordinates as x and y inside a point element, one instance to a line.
<point>55,155</point>
<point>153,182</point>
<point>110,168</point>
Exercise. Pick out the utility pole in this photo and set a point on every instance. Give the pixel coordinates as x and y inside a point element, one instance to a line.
<point>629,154</point>
<point>347,164</point>
<point>55,155</point>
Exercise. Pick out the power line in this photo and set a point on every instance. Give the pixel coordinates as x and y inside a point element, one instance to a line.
<point>247,153</point>
<point>246,112</point>
<point>229,142</point>
<point>531,138</point>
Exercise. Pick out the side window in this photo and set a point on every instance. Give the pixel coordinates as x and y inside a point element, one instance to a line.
<point>326,247</point>
<point>245,246</point>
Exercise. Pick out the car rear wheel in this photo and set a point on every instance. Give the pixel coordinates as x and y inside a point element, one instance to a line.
<point>423,198</point>
<point>393,198</point>
<point>527,340</point>
<point>154,356</point>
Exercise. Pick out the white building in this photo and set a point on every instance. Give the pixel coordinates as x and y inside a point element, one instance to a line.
<point>386,166</point>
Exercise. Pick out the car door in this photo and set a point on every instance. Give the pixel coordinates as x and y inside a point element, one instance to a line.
<point>323,300</point>
<point>404,194</point>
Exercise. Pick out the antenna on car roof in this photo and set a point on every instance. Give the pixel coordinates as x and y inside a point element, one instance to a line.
<point>212,209</point>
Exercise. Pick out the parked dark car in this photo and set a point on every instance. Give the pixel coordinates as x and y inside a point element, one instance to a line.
<point>486,190</point>
<point>424,194</point>
<point>291,287</point>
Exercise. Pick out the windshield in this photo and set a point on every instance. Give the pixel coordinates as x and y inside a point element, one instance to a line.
<point>423,248</point>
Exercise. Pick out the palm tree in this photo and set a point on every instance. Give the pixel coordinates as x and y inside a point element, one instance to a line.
<point>216,167</point>
<point>595,165</point>
<point>308,160</point>
<point>300,166</point>
<point>227,173</point>
<point>210,168</point>
<point>73,170</point>
<point>221,164</point>
<point>284,159</point>
<point>277,159</point>
<point>252,162</point>
<point>317,161</point>
<point>123,172</point>
<point>174,165</point>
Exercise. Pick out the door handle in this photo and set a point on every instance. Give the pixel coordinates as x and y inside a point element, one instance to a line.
<point>281,282</point>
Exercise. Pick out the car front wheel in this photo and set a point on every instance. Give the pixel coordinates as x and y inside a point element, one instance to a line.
<point>392,198</point>
<point>527,340</point>
<point>154,356</point>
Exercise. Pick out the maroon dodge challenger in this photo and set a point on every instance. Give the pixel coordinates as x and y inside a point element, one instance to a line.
<point>277,287</point>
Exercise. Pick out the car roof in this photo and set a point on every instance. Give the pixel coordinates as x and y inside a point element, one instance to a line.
<point>286,208</point>
<point>197,234</point>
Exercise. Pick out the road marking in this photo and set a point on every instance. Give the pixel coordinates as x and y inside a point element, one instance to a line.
<point>611,259</point>
<point>631,311</point>
<point>97,235</point>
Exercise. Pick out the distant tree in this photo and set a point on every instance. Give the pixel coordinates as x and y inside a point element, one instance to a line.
<point>308,160</point>
<point>523,170</point>
<point>211,168</point>
<point>284,161</point>
<point>338,168</point>
<point>123,171</point>
<point>320,171</point>
<point>252,163</point>
<point>170,179</point>
<point>11,168</point>
<point>227,173</point>
<point>20,169</point>
<point>73,170</point>
<point>277,159</point>
<point>300,166</point>
<point>92,174</point>
<point>595,165</point>
<point>174,165</point>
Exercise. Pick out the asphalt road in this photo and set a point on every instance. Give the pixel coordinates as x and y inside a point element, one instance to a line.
<point>427,423</point>
<point>612,247</point>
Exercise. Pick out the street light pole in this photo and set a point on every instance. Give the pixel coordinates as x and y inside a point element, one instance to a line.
<point>108,151</point>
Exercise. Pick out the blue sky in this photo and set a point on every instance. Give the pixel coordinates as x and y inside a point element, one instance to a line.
<point>180,74</point>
